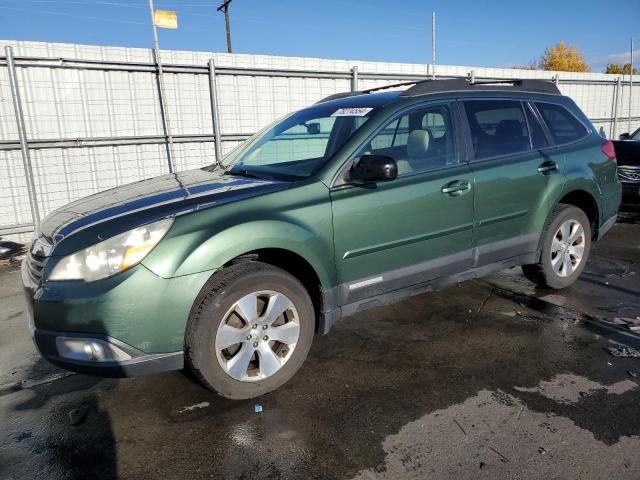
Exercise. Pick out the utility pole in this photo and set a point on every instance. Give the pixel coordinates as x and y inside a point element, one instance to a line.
<point>224,8</point>
<point>630,85</point>
<point>433,45</point>
<point>163,97</point>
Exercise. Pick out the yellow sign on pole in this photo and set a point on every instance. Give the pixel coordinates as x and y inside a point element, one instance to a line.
<point>165,19</point>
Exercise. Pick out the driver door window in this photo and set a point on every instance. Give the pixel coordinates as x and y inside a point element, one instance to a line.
<point>419,141</point>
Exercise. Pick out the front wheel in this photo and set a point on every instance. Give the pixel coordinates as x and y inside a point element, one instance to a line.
<point>250,330</point>
<point>566,243</point>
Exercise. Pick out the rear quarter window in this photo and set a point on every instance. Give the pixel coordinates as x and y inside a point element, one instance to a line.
<point>563,126</point>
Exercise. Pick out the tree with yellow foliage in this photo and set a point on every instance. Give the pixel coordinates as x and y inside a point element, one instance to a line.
<point>621,69</point>
<point>563,57</point>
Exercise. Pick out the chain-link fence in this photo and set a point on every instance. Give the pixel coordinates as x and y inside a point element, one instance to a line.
<point>76,119</point>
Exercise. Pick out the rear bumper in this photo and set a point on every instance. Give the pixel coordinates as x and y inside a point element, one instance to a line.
<point>606,226</point>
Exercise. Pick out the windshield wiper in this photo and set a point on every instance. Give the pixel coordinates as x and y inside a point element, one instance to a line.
<point>243,173</point>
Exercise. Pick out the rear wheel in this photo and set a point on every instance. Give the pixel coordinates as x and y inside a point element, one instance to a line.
<point>566,243</point>
<point>250,330</point>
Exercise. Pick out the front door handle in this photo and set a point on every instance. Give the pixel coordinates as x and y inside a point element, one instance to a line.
<point>456,188</point>
<point>548,167</point>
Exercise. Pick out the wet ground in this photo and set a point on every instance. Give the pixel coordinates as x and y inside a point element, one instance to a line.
<point>488,379</point>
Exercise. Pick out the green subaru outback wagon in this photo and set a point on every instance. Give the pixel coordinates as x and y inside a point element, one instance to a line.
<point>357,201</point>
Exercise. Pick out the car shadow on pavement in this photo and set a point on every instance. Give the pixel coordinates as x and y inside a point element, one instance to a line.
<point>629,214</point>
<point>56,428</point>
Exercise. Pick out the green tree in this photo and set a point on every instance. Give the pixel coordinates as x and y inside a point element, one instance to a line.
<point>621,69</point>
<point>563,57</point>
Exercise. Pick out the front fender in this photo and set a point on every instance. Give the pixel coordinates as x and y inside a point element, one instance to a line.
<point>298,220</point>
<point>240,239</point>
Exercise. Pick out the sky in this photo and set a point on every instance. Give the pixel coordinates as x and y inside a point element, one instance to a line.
<point>469,32</point>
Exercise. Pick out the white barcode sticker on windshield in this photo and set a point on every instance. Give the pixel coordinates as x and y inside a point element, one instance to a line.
<point>351,112</point>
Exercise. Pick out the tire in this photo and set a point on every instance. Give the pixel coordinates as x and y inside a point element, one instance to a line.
<point>562,258</point>
<point>224,312</point>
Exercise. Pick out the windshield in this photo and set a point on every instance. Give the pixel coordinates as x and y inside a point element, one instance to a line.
<point>636,136</point>
<point>298,145</point>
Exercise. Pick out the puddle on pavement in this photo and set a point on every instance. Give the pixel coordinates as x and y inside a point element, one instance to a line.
<point>497,435</point>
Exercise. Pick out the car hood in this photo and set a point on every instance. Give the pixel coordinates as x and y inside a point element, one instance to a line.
<point>152,199</point>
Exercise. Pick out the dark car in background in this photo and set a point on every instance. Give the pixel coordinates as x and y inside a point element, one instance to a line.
<point>628,156</point>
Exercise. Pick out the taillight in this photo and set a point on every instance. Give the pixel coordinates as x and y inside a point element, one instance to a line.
<point>608,149</point>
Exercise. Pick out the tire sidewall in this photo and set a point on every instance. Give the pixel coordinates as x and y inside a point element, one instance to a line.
<point>567,213</point>
<point>210,312</point>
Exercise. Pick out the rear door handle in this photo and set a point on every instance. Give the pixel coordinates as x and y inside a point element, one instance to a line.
<point>548,167</point>
<point>456,188</point>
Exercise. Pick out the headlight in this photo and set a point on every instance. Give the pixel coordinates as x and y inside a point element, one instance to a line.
<point>111,256</point>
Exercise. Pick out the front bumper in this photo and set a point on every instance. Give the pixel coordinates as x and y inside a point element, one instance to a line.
<point>631,193</point>
<point>140,363</point>
<point>137,314</point>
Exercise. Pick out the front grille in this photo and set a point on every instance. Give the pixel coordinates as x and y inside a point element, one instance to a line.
<point>37,256</point>
<point>629,173</point>
<point>35,264</point>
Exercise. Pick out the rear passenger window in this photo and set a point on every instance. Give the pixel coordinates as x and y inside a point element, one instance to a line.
<point>498,127</point>
<point>538,138</point>
<point>564,127</point>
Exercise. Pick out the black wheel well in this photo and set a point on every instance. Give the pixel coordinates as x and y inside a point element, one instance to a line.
<point>293,264</point>
<point>585,202</point>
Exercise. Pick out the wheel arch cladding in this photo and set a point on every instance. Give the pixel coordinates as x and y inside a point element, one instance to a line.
<point>294,264</point>
<point>586,202</point>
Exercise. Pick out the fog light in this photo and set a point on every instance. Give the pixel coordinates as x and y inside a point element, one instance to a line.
<point>89,350</point>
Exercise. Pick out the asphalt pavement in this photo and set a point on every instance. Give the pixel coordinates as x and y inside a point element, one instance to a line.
<point>492,378</point>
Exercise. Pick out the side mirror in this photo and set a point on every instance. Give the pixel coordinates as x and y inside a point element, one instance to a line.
<point>373,168</point>
<point>625,136</point>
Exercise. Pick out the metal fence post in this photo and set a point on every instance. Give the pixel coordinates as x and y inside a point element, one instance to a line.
<point>215,114</point>
<point>22,134</point>
<point>354,78</point>
<point>166,124</point>
<point>614,110</point>
<point>630,87</point>
<point>556,79</point>
<point>615,107</point>
<point>472,76</point>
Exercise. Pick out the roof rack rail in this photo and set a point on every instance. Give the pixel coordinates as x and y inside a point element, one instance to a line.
<point>335,96</point>
<point>425,87</point>
<point>464,84</point>
<point>364,92</point>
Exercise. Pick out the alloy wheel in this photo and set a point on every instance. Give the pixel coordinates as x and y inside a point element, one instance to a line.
<point>567,248</point>
<point>257,336</point>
